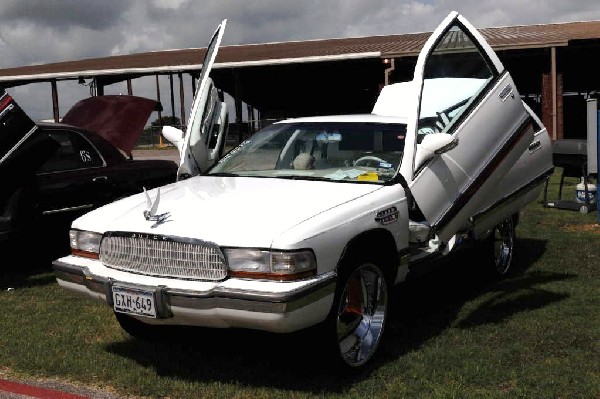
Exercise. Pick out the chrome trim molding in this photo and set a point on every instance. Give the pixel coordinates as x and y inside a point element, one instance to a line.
<point>220,297</point>
<point>514,195</point>
<point>483,174</point>
<point>25,137</point>
<point>69,209</point>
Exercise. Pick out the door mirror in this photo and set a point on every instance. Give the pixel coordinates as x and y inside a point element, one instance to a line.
<point>433,144</point>
<point>175,136</point>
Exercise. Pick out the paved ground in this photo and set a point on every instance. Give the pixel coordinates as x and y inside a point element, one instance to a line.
<point>171,154</point>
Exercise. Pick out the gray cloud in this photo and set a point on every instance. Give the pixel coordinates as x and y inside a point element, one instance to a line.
<point>64,14</point>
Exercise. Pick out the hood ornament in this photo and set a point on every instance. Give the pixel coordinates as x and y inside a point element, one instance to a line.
<point>150,213</point>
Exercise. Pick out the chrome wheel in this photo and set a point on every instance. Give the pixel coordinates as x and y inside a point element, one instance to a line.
<point>361,313</point>
<point>503,243</point>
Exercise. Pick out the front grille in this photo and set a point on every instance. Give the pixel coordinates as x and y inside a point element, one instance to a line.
<point>163,256</point>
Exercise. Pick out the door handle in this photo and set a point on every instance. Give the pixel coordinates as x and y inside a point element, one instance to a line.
<point>535,145</point>
<point>100,179</point>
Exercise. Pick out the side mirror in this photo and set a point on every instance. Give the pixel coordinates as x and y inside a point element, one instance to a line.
<point>175,136</point>
<point>433,144</point>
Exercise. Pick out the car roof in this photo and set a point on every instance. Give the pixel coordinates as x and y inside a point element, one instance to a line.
<point>348,118</point>
<point>110,153</point>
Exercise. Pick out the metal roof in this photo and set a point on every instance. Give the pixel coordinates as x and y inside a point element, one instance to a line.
<point>235,56</point>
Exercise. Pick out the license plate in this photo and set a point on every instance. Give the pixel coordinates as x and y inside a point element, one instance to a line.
<point>134,301</point>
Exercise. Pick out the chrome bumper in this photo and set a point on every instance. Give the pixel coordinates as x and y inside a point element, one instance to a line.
<point>289,308</point>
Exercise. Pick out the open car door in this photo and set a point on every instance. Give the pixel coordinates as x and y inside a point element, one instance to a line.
<point>468,127</point>
<point>23,149</point>
<point>205,136</point>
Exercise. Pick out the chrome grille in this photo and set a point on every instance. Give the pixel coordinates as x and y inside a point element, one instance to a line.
<point>163,256</point>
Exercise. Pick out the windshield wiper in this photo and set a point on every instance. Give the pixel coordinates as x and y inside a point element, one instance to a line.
<point>222,174</point>
<point>302,177</point>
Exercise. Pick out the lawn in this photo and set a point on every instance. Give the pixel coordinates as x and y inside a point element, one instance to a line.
<point>451,333</point>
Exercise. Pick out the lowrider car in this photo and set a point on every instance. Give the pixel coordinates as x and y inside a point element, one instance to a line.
<point>311,221</point>
<point>55,172</point>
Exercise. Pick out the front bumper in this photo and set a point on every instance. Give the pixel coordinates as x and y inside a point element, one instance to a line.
<point>263,305</point>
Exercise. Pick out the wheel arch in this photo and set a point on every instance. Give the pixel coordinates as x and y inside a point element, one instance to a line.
<point>377,244</point>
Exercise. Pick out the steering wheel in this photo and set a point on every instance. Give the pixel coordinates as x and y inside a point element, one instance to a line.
<point>368,159</point>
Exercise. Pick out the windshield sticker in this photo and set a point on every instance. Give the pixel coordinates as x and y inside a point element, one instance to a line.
<point>369,176</point>
<point>345,174</point>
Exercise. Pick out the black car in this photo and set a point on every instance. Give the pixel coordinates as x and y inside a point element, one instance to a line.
<point>52,173</point>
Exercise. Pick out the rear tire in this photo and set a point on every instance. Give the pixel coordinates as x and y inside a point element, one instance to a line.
<point>499,248</point>
<point>359,312</point>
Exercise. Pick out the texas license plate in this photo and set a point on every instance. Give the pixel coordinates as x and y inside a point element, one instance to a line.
<point>133,301</point>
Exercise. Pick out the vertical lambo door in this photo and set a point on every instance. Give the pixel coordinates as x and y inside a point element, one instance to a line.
<point>206,131</point>
<point>23,148</point>
<point>468,102</point>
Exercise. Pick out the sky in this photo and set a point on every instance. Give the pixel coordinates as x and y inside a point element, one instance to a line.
<point>45,31</point>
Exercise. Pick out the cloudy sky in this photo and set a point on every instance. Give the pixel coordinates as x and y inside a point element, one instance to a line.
<point>45,31</point>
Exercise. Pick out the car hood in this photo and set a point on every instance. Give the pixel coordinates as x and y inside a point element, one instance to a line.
<point>119,119</point>
<point>240,211</point>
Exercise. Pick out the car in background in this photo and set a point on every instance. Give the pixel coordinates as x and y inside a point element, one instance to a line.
<point>311,221</point>
<point>54,172</point>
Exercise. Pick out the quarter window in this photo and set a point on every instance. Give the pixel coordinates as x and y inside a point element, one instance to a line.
<point>75,152</point>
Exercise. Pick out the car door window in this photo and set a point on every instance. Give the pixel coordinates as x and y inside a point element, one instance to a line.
<point>75,152</point>
<point>455,74</point>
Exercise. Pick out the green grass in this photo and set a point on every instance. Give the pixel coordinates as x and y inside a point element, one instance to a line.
<point>451,333</point>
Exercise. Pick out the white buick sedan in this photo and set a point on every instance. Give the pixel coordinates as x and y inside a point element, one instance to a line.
<point>311,221</point>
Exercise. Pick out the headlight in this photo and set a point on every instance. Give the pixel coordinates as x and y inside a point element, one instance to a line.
<point>272,265</point>
<point>85,243</point>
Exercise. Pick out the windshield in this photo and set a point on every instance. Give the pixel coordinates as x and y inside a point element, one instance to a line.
<point>356,152</point>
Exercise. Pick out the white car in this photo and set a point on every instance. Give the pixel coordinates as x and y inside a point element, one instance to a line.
<point>312,220</point>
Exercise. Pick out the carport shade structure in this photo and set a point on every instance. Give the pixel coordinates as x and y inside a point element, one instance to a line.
<point>344,75</point>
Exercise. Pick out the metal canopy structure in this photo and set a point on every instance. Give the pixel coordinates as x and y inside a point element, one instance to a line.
<point>342,75</point>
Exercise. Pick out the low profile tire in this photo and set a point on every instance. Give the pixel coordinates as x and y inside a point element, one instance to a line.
<point>359,314</point>
<point>499,248</point>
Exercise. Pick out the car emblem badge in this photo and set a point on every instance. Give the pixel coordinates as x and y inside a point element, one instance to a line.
<point>150,213</point>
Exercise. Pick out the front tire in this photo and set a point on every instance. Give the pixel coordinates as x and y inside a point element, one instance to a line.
<point>359,313</point>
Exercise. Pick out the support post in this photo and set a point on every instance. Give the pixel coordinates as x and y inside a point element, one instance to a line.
<point>99,88</point>
<point>129,87</point>
<point>55,110</point>
<point>238,105</point>
<point>553,79</point>
<point>181,98</point>
<point>250,118</point>
<point>160,137</point>
<point>388,71</point>
<point>172,97</point>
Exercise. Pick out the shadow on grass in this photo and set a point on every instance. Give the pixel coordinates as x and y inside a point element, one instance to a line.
<point>421,309</point>
<point>27,266</point>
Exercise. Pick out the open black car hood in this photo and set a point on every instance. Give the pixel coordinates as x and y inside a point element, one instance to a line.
<point>117,118</point>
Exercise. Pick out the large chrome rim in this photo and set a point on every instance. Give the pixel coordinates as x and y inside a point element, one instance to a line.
<point>361,314</point>
<point>504,239</point>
